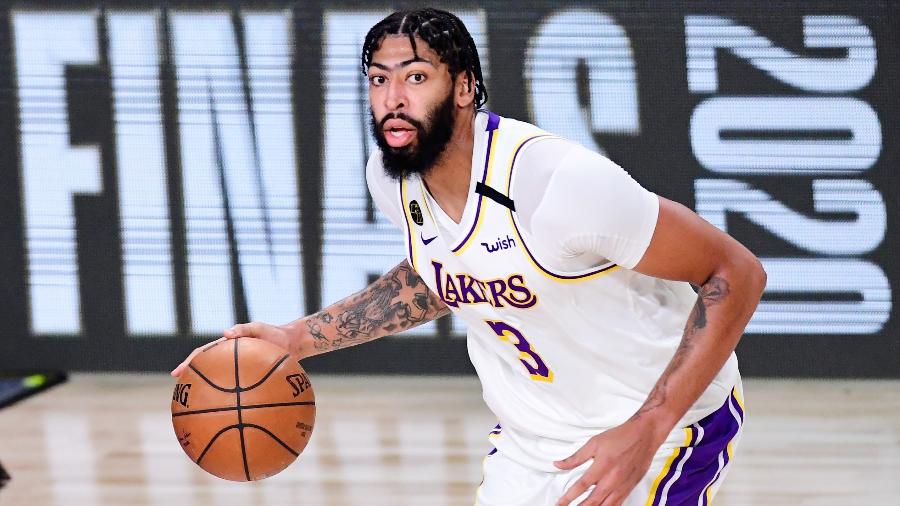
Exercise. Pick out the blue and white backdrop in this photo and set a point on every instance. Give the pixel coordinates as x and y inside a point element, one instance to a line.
<point>169,168</point>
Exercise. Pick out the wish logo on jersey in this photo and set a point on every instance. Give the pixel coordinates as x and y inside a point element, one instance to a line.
<point>456,289</point>
<point>501,243</point>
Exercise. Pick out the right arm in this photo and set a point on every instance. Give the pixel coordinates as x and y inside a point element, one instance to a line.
<point>397,301</point>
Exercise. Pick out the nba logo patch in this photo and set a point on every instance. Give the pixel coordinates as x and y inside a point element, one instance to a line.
<point>416,212</point>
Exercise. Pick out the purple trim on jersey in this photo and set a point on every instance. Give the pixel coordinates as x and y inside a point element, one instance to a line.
<point>519,233</point>
<point>493,121</point>
<point>492,124</point>
<point>409,236</point>
<point>700,470</point>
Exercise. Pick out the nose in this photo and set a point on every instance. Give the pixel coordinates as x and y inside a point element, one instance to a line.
<point>395,99</point>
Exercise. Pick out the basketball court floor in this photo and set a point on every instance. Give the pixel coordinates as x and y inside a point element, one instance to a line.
<point>108,440</point>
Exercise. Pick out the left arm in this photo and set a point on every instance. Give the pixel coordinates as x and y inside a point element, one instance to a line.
<point>731,282</point>
<point>683,247</point>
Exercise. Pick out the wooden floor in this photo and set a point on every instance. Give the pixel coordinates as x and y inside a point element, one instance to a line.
<point>108,440</point>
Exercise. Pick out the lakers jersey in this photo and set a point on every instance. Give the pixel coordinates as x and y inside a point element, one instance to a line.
<point>561,355</point>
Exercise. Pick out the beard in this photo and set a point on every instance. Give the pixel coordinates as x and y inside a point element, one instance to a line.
<point>431,140</point>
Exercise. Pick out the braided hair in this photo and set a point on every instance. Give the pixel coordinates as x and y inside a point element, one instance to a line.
<point>443,32</point>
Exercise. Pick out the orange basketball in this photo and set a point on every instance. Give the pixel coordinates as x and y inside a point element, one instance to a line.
<point>244,409</point>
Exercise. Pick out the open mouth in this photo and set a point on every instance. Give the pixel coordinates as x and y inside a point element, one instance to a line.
<point>398,133</point>
<point>398,138</point>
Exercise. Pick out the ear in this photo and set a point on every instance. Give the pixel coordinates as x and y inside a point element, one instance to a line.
<point>464,89</point>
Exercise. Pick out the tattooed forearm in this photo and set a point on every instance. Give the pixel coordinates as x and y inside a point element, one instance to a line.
<point>397,301</point>
<point>712,293</point>
<point>314,326</point>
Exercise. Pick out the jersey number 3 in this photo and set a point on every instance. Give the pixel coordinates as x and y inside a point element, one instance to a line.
<point>529,358</point>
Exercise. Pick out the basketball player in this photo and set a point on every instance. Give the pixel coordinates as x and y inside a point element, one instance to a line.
<point>614,382</point>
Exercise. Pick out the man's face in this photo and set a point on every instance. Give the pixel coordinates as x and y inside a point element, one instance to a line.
<point>413,107</point>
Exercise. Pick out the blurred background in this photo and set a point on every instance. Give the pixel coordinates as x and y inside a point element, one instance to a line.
<point>169,168</point>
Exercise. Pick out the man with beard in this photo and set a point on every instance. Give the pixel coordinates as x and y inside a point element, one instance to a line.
<point>613,381</point>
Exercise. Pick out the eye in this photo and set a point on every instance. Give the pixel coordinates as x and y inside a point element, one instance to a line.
<point>377,80</point>
<point>417,78</point>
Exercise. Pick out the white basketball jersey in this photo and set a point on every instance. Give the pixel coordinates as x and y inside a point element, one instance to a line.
<point>561,356</point>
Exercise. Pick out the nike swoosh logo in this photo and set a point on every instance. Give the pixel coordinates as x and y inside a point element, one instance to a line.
<point>426,241</point>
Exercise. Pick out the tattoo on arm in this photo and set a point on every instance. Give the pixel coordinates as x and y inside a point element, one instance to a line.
<point>397,301</point>
<point>713,292</point>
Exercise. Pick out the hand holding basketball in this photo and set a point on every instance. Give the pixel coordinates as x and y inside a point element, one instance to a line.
<point>243,409</point>
<point>277,335</point>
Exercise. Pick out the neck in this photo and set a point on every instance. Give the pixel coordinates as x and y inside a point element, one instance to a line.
<point>448,180</point>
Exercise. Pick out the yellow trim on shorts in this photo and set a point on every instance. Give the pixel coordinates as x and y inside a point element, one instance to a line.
<point>729,448</point>
<point>667,466</point>
<point>737,397</point>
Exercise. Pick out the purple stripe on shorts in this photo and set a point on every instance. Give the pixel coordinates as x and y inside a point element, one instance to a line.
<point>725,460</point>
<point>673,468</point>
<point>701,468</point>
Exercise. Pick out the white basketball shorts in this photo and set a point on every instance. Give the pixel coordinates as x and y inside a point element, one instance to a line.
<point>687,470</point>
